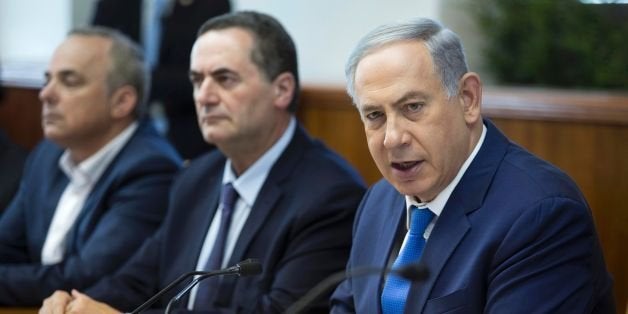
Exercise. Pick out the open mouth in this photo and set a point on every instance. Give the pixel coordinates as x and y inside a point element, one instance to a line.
<point>403,166</point>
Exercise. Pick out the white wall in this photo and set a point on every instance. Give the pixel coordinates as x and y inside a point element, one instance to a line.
<point>29,31</point>
<point>325,31</point>
<point>29,28</point>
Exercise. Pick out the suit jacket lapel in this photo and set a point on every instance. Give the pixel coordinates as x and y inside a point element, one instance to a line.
<point>200,218</point>
<point>387,231</point>
<point>449,230</point>
<point>453,223</point>
<point>195,223</point>
<point>270,193</point>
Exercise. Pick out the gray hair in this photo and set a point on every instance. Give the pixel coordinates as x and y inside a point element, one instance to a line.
<point>127,63</point>
<point>443,45</point>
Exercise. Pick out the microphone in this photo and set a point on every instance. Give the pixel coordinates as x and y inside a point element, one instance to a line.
<point>247,267</point>
<point>412,272</point>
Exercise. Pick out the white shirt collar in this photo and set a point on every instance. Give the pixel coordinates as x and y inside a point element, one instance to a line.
<point>250,182</point>
<point>89,170</point>
<point>437,205</point>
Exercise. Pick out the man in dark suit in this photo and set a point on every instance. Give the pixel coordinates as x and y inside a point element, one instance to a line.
<point>96,188</point>
<point>499,230</point>
<point>295,198</point>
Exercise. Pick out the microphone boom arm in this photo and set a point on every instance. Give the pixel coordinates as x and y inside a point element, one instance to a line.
<point>247,267</point>
<point>414,272</point>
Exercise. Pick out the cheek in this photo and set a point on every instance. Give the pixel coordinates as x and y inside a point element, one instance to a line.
<point>375,143</point>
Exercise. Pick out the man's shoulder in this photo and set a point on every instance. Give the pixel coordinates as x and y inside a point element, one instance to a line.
<point>147,144</point>
<point>44,154</point>
<point>382,192</point>
<point>208,164</point>
<point>317,161</point>
<point>534,176</point>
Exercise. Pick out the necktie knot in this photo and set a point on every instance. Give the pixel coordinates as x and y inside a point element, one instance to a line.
<point>228,197</point>
<point>420,218</point>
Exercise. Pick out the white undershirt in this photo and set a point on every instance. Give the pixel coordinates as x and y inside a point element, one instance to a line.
<point>248,186</point>
<point>82,179</point>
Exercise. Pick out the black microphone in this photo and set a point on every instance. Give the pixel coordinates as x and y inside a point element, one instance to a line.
<point>247,267</point>
<point>412,272</point>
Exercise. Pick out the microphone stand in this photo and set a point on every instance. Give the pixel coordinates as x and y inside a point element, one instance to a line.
<point>413,272</point>
<point>163,291</point>
<point>185,290</point>
<point>247,267</point>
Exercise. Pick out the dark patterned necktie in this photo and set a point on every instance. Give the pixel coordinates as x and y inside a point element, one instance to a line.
<point>207,288</point>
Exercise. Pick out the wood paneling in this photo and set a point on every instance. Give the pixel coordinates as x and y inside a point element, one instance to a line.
<point>583,133</point>
<point>20,112</point>
<point>556,105</point>
<point>329,116</point>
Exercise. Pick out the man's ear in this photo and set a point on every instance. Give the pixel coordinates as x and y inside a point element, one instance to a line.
<point>283,89</point>
<point>123,102</point>
<point>470,97</point>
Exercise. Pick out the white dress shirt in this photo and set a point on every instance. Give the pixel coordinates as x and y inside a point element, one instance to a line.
<point>82,179</point>
<point>248,186</point>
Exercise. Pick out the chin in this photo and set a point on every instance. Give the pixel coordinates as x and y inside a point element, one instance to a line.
<point>52,135</point>
<point>213,138</point>
<point>408,187</point>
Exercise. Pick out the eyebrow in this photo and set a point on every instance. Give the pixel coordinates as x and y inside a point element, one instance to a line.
<point>63,73</point>
<point>223,71</point>
<point>218,71</point>
<point>410,95</point>
<point>407,96</point>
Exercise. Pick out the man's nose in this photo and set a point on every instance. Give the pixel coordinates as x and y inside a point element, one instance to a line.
<point>206,94</point>
<point>396,134</point>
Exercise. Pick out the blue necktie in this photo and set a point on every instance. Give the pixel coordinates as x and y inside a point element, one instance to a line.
<point>396,288</point>
<point>207,288</point>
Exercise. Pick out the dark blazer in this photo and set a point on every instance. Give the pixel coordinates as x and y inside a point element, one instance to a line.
<point>299,228</point>
<point>516,236</point>
<point>125,207</point>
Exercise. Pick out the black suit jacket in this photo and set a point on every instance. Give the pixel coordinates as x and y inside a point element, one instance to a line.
<point>299,228</point>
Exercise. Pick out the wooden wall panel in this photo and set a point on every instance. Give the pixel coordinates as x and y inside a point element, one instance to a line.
<point>20,112</point>
<point>583,133</point>
<point>331,117</point>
